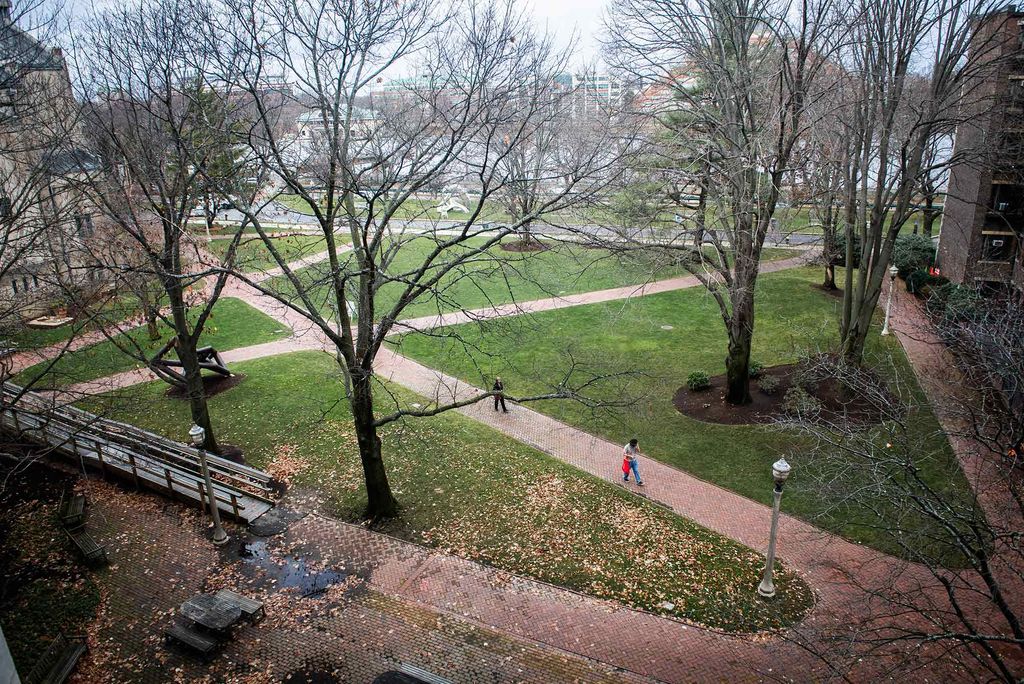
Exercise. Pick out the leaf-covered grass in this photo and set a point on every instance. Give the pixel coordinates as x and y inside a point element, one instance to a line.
<point>467,488</point>
<point>792,318</point>
<point>233,324</point>
<point>501,277</point>
<point>46,588</point>
<point>252,255</point>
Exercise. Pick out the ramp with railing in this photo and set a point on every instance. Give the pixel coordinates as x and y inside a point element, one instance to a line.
<point>147,459</point>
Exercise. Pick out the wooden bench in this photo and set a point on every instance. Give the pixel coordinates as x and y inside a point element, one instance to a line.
<point>200,642</point>
<point>71,510</point>
<point>92,552</point>
<point>58,660</point>
<point>251,608</point>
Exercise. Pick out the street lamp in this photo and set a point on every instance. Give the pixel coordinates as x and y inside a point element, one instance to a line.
<point>198,436</point>
<point>888,304</point>
<point>780,471</point>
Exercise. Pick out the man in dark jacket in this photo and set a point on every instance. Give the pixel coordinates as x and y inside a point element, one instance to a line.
<point>499,388</point>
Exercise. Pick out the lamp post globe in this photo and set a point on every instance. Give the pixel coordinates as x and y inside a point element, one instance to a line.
<point>888,302</point>
<point>197,434</point>
<point>780,472</point>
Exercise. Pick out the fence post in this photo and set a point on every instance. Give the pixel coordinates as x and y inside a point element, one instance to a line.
<point>234,504</point>
<point>135,471</point>
<point>199,486</point>
<point>99,455</point>
<point>170,483</point>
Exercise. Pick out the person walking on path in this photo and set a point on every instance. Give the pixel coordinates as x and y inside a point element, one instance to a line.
<point>499,388</point>
<point>630,452</point>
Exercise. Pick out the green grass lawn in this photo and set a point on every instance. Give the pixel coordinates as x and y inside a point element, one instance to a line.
<point>252,255</point>
<point>468,489</point>
<point>501,277</point>
<point>625,336</point>
<point>46,588</point>
<point>233,324</point>
<point>109,310</point>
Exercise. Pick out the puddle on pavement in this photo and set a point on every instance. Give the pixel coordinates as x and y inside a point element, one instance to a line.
<point>289,571</point>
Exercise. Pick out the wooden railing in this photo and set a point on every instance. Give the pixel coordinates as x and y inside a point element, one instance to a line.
<point>147,458</point>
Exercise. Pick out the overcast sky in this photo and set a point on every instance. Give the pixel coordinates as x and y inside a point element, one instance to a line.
<point>562,17</point>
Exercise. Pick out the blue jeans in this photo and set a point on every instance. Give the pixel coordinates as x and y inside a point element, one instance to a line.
<point>633,465</point>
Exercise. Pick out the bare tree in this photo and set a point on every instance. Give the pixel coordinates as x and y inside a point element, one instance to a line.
<point>956,597</point>
<point>757,62</point>
<point>142,76</point>
<point>912,67</point>
<point>480,95</point>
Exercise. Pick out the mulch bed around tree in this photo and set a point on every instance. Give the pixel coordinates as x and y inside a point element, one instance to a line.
<point>831,292</point>
<point>212,384</point>
<point>710,406</point>
<point>524,246</point>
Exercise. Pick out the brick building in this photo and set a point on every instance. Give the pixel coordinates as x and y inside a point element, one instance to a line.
<point>983,220</point>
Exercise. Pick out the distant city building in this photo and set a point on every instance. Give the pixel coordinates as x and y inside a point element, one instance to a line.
<point>591,93</point>
<point>983,219</point>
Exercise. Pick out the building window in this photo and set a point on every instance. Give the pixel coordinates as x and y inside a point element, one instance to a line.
<point>997,247</point>
<point>24,282</point>
<point>5,208</point>
<point>35,280</point>
<point>83,224</point>
<point>14,285</point>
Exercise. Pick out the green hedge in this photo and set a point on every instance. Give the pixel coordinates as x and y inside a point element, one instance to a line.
<point>912,253</point>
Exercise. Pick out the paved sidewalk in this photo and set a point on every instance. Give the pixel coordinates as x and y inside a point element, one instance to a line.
<point>337,608</point>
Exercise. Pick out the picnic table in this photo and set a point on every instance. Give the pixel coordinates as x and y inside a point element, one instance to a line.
<point>211,611</point>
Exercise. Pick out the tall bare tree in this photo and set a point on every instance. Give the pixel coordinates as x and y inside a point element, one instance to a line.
<point>481,93</point>
<point>913,68</point>
<point>142,73</point>
<point>757,62</point>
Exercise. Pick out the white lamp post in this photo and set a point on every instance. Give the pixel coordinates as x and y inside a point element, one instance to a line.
<point>888,304</point>
<point>780,471</point>
<point>198,435</point>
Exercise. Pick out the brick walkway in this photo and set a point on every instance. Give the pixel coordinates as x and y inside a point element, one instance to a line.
<point>349,631</point>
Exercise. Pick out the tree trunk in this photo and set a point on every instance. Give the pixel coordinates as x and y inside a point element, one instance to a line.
<point>928,216</point>
<point>741,333</point>
<point>866,295</point>
<point>828,247</point>
<point>830,277</point>
<point>186,348</point>
<point>197,403</point>
<point>380,502</point>
<point>151,326</point>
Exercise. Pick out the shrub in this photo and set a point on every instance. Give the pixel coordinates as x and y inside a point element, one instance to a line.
<point>962,303</point>
<point>921,282</point>
<point>912,253</point>
<point>755,369</point>
<point>769,384</point>
<point>799,402</point>
<point>839,258</point>
<point>698,381</point>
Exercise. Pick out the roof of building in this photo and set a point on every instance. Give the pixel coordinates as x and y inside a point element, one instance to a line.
<point>22,51</point>
<point>75,160</point>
